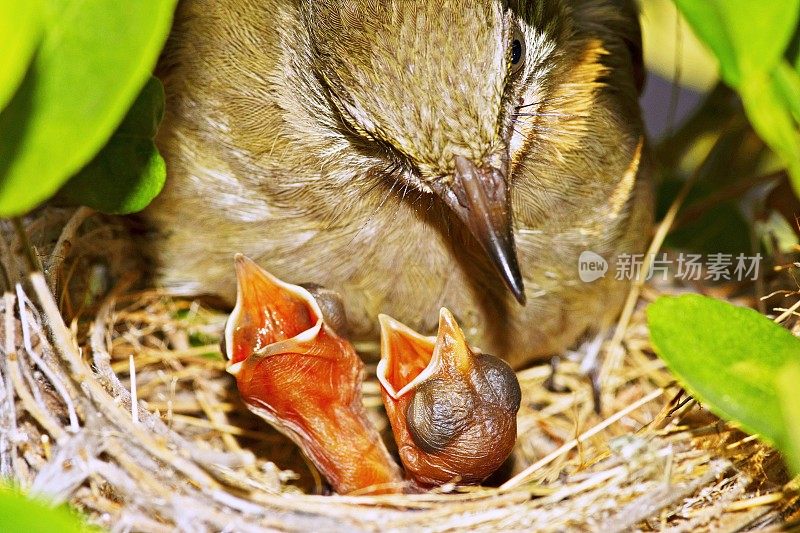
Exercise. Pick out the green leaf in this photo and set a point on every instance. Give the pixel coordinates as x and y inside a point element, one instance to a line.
<point>746,36</point>
<point>20,514</point>
<point>787,82</point>
<point>786,386</point>
<point>20,29</point>
<point>94,58</point>
<point>128,172</point>
<point>728,357</point>
<point>771,116</point>
<point>750,40</point>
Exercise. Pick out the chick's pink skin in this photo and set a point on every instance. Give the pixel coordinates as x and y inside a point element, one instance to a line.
<point>296,373</point>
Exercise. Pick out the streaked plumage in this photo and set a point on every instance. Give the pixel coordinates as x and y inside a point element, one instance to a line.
<point>310,134</point>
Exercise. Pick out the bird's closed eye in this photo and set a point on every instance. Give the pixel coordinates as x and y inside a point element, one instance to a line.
<point>517,51</point>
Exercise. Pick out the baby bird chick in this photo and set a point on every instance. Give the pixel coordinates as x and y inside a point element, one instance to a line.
<point>293,370</point>
<point>453,409</point>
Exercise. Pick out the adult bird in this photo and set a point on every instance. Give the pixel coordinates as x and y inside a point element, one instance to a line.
<point>409,155</point>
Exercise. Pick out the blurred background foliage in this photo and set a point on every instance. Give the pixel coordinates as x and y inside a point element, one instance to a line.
<point>722,107</point>
<point>79,109</point>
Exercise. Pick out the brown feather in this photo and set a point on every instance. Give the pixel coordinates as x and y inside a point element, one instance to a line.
<point>306,135</point>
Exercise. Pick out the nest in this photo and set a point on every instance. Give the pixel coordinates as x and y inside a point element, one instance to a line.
<point>116,400</point>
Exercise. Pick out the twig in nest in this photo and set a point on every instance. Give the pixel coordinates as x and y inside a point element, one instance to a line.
<point>786,313</point>
<point>134,398</point>
<point>98,394</point>
<point>102,361</point>
<point>12,366</point>
<point>55,263</point>
<point>51,375</point>
<point>613,351</point>
<point>525,474</point>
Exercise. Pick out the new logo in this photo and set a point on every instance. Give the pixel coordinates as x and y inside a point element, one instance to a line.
<point>591,266</point>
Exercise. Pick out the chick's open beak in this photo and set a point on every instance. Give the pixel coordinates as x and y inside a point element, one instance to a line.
<point>267,311</point>
<point>479,197</point>
<point>452,408</point>
<point>294,371</point>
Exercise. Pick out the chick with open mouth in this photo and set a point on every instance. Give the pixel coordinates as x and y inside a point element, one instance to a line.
<point>452,408</point>
<point>293,370</point>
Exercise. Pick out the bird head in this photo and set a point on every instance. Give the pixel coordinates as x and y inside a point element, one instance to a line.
<point>435,86</point>
<point>452,408</point>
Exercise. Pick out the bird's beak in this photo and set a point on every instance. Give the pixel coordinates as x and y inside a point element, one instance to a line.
<point>452,408</point>
<point>479,197</point>
<point>294,371</point>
